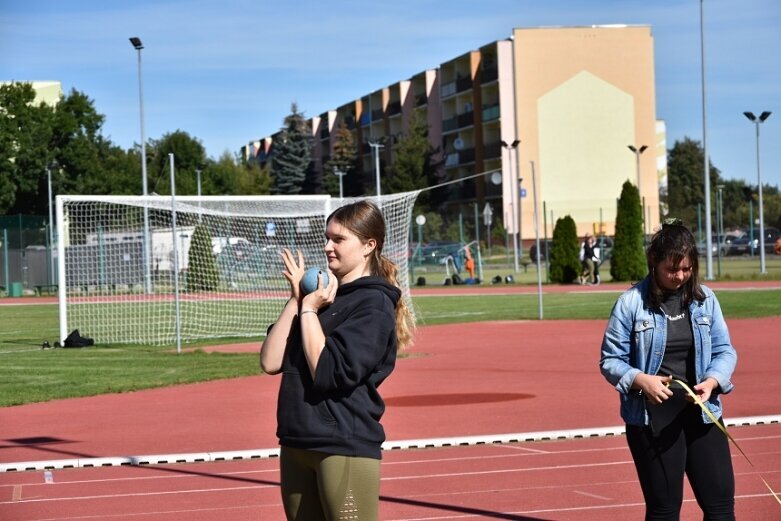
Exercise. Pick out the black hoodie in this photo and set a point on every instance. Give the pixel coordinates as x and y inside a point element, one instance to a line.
<point>339,411</point>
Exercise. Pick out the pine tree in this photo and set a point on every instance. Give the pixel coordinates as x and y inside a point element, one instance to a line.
<point>202,273</point>
<point>414,166</point>
<point>564,261</point>
<point>627,260</point>
<point>343,159</point>
<point>291,154</point>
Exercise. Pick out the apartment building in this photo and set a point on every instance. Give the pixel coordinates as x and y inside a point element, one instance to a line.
<point>554,110</point>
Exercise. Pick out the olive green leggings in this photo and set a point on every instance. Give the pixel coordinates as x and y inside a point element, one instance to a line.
<point>318,486</point>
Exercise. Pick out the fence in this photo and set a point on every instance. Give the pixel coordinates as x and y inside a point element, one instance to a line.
<point>26,257</point>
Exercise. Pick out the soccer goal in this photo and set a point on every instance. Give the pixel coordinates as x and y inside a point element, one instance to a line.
<point>124,260</point>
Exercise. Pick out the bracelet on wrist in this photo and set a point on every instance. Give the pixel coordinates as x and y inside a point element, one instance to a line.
<point>308,311</point>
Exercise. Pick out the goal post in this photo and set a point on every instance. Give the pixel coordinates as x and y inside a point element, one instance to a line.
<point>227,264</point>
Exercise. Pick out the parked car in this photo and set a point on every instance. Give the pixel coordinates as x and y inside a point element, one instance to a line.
<point>702,247</point>
<point>748,244</point>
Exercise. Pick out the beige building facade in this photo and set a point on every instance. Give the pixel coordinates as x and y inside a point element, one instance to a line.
<point>584,95</point>
<point>572,100</point>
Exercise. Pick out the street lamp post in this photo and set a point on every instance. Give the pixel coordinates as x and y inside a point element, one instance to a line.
<point>719,224</point>
<point>137,45</point>
<point>341,190</point>
<point>757,121</point>
<point>51,223</point>
<point>198,177</point>
<point>514,195</point>
<point>376,146</point>
<point>638,151</point>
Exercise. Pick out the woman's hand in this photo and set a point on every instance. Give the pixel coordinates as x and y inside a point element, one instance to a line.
<point>322,296</point>
<point>704,389</point>
<point>656,389</point>
<point>294,271</point>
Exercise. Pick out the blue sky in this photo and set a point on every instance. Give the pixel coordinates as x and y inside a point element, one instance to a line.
<point>227,71</point>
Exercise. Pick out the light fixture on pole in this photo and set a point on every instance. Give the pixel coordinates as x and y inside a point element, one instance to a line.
<point>637,152</point>
<point>51,220</point>
<point>514,195</point>
<point>138,46</point>
<point>376,145</point>
<point>341,176</point>
<point>757,121</point>
<point>719,224</point>
<point>198,177</point>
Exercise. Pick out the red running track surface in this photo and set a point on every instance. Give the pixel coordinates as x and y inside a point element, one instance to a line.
<point>471,379</point>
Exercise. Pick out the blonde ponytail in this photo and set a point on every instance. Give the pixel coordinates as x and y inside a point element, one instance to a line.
<point>405,320</point>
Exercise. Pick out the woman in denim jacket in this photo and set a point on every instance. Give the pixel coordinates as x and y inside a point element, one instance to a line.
<point>670,327</point>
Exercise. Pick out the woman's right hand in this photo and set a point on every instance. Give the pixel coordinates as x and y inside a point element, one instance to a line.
<point>294,271</point>
<point>656,389</point>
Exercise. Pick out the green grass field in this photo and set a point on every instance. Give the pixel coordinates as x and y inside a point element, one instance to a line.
<point>31,374</point>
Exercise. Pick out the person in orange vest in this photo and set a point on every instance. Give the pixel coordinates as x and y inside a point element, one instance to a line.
<point>470,262</point>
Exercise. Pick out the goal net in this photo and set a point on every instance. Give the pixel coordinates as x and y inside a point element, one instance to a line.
<point>124,261</point>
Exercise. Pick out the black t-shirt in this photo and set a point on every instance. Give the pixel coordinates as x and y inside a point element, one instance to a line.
<point>678,358</point>
<point>678,361</point>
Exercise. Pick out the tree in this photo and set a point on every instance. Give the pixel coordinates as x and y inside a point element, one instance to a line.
<point>627,260</point>
<point>202,273</point>
<point>25,135</point>
<point>189,156</point>
<point>414,166</point>
<point>564,261</point>
<point>231,176</point>
<point>291,154</point>
<point>685,185</point>
<point>343,159</point>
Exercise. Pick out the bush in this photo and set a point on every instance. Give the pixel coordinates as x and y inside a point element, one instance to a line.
<point>627,261</point>
<point>564,260</point>
<point>202,273</point>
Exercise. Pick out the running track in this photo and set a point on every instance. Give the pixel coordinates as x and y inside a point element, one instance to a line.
<point>466,380</point>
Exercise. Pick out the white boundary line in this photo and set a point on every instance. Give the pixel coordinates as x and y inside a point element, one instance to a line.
<point>462,441</point>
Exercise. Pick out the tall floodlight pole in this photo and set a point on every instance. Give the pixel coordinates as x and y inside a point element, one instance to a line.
<point>515,196</point>
<point>705,169</point>
<point>376,146</point>
<point>137,45</point>
<point>757,121</point>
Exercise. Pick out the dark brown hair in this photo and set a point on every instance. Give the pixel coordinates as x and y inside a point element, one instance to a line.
<point>673,242</point>
<point>365,220</point>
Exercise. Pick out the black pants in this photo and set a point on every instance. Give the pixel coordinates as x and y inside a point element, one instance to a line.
<point>686,445</point>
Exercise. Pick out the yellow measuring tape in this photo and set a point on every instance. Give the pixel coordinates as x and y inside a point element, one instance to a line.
<point>724,430</point>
